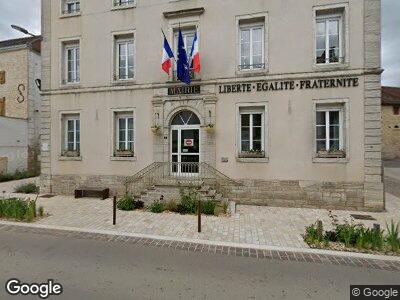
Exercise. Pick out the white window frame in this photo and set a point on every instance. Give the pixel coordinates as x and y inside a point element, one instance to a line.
<point>72,47</point>
<point>121,4</point>
<point>126,116</point>
<point>251,27</point>
<point>74,119</point>
<point>75,3</point>
<point>252,112</point>
<point>327,19</point>
<point>185,32</point>
<point>125,41</point>
<point>327,111</point>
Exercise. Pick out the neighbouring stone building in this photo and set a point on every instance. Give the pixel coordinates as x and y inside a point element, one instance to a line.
<point>391,122</point>
<point>286,110</point>
<point>20,73</point>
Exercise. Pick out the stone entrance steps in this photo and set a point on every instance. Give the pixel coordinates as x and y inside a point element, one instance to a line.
<point>172,192</point>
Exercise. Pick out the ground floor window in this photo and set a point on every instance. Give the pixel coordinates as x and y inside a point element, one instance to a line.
<point>252,142</point>
<point>124,134</point>
<point>72,135</point>
<point>329,131</point>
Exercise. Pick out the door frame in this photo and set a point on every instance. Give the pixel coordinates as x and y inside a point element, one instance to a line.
<point>179,128</point>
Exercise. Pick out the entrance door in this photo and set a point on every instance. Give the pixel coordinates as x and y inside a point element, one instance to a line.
<point>185,144</point>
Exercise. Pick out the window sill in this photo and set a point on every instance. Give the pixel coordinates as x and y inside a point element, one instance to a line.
<point>252,159</point>
<point>331,67</point>
<point>251,73</point>
<point>124,82</point>
<point>71,86</point>
<point>122,7</point>
<point>341,160</point>
<point>121,158</point>
<point>70,158</point>
<point>71,15</point>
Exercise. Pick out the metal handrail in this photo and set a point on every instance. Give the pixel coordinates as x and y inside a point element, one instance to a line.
<point>180,173</point>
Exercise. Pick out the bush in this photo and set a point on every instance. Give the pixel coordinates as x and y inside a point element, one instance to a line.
<point>189,200</point>
<point>41,211</point>
<point>16,176</point>
<point>17,209</point>
<point>208,207</point>
<point>157,207</point>
<point>126,203</point>
<point>347,233</point>
<point>172,206</point>
<point>27,188</point>
<point>139,204</point>
<point>392,238</point>
<point>314,233</point>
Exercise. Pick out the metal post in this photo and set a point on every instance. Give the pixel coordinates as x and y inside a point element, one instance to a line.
<point>199,217</point>
<point>114,210</point>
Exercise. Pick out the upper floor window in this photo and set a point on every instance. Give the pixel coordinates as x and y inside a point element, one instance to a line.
<point>251,51</point>
<point>72,63</point>
<point>329,39</point>
<point>71,7</point>
<point>124,2</point>
<point>124,48</point>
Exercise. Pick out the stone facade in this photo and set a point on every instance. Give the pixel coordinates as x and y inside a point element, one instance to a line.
<point>390,133</point>
<point>3,165</point>
<point>290,173</point>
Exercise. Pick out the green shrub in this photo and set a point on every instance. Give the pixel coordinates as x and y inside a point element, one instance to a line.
<point>41,211</point>
<point>347,233</point>
<point>208,207</point>
<point>392,238</point>
<point>157,207</point>
<point>6,177</point>
<point>126,203</point>
<point>312,236</point>
<point>27,188</point>
<point>17,209</point>
<point>189,200</point>
<point>16,176</point>
<point>172,206</point>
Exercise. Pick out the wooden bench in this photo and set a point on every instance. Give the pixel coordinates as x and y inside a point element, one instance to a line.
<point>92,192</point>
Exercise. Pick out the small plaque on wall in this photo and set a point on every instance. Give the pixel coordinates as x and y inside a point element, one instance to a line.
<point>224,159</point>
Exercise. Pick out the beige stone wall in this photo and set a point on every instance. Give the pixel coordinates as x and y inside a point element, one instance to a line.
<point>390,133</point>
<point>15,64</point>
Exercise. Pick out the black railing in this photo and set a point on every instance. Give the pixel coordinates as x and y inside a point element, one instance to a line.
<point>251,67</point>
<point>122,2</point>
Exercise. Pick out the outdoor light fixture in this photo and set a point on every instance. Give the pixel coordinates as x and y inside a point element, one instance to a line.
<point>21,29</point>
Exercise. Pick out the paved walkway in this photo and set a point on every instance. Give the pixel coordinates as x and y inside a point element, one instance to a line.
<point>256,225</point>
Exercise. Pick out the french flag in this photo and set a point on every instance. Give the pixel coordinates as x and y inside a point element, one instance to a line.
<point>195,55</point>
<point>167,56</point>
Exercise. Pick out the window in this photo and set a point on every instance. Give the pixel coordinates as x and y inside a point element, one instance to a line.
<point>72,63</point>
<point>124,125</point>
<point>2,107</point>
<point>251,52</point>
<point>252,131</point>
<point>329,130</point>
<point>328,39</point>
<point>2,77</point>
<point>124,2</point>
<point>396,110</point>
<point>72,135</point>
<point>188,37</point>
<point>71,7</point>
<point>124,48</point>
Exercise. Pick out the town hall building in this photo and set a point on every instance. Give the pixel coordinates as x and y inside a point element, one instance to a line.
<point>286,110</point>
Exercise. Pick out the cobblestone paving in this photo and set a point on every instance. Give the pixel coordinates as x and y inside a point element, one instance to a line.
<point>273,226</point>
<point>298,256</point>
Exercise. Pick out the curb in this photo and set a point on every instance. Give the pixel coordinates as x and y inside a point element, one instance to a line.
<point>382,262</point>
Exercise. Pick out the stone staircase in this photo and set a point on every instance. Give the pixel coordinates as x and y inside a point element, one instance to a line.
<point>172,192</point>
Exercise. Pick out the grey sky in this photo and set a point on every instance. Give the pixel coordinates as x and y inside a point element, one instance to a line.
<point>26,13</point>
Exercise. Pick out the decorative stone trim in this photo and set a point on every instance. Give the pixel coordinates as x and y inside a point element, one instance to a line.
<point>184,13</point>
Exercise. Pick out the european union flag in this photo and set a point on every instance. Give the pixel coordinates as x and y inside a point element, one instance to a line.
<point>183,67</point>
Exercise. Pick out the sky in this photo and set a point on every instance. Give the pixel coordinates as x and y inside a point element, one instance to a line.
<point>26,13</point>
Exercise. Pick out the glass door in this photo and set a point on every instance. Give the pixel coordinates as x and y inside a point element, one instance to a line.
<point>185,150</point>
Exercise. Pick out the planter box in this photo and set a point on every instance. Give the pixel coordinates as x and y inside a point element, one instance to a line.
<point>252,155</point>
<point>210,129</point>
<point>126,153</point>
<point>155,130</point>
<point>332,154</point>
<point>71,153</point>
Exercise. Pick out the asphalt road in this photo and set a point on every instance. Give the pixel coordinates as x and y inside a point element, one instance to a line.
<point>98,270</point>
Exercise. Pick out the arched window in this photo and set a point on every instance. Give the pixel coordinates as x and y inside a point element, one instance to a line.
<point>185,117</point>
